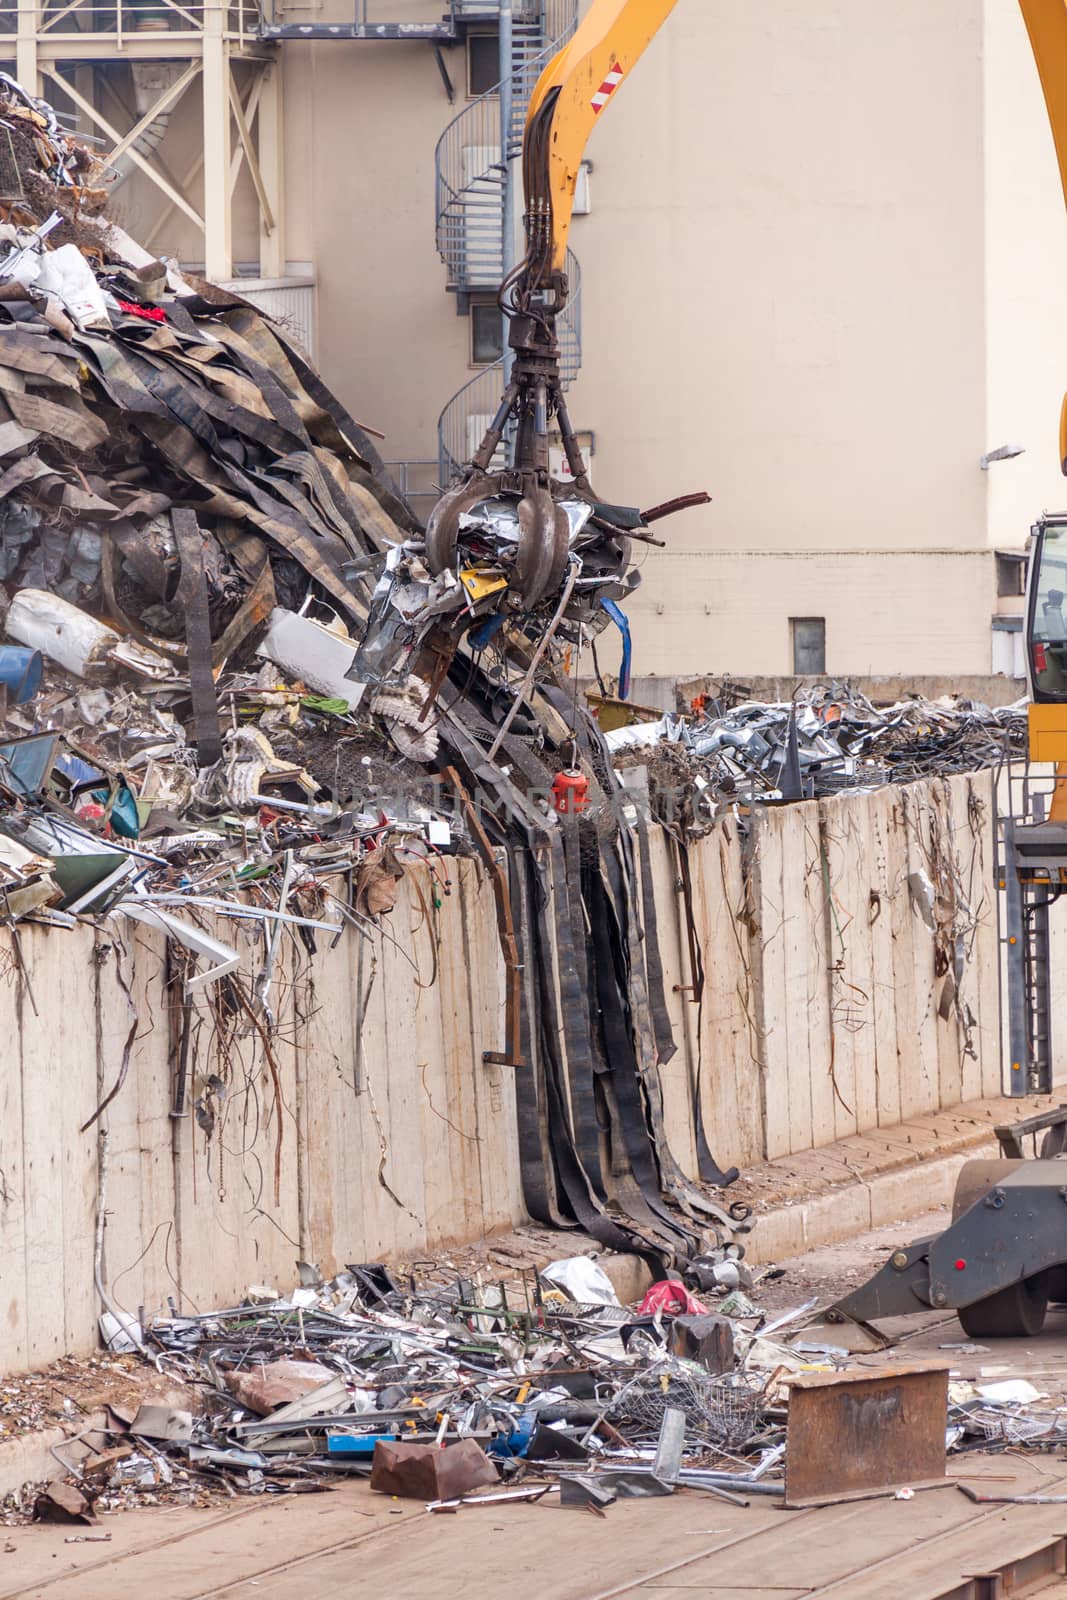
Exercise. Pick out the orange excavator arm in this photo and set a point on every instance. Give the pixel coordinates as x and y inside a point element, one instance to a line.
<point>1046,23</point>
<point>575,87</point>
<point>570,95</point>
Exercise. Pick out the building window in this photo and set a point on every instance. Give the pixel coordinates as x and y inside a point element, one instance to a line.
<point>809,644</point>
<point>1009,658</point>
<point>487,332</point>
<point>1011,573</point>
<point>483,62</point>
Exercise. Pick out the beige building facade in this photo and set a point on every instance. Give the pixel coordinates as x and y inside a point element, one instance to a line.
<point>824,273</point>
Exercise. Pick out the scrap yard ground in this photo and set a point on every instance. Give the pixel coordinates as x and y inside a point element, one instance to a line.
<point>355,1541</point>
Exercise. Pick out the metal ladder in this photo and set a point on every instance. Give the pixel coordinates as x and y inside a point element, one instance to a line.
<point>1030,856</point>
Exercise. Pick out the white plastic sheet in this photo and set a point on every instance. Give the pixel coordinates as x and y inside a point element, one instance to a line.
<point>581,1279</point>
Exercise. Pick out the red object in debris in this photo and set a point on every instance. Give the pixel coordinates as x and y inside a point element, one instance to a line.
<point>570,790</point>
<point>672,1298</point>
<point>150,313</point>
<point>90,811</point>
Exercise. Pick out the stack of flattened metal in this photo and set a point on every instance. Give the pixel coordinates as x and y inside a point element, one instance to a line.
<point>179,491</point>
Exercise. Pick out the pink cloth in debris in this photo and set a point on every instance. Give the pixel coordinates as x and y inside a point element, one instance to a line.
<point>672,1298</point>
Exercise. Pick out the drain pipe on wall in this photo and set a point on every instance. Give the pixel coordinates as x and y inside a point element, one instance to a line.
<point>123,1325</point>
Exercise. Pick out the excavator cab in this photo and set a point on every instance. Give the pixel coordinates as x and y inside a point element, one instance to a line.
<point>1046,612</point>
<point>1003,1258</point>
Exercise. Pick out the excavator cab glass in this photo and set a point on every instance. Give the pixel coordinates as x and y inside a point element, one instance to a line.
<point>1046,611</point>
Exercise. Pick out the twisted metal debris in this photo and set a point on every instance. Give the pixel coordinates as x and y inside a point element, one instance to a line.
<point>829,739</point>
<point>240,629</point>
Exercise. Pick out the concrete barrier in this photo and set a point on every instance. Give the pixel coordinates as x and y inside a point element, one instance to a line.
<point>839,995</point>
<point>850,955</point>
<point>367,1125</point>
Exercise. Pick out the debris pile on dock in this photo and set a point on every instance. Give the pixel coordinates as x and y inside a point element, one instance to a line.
<point>831,738</point>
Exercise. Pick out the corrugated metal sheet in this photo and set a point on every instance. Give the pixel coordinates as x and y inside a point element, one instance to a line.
<point>290,301</point>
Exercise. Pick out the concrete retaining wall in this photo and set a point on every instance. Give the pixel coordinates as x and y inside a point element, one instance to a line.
<point>314,1149</point>
<point>370,1124</point>
<point>831,1004</point>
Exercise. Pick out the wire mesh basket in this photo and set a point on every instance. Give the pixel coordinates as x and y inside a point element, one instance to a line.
<point>1006,1427</point>
<point>725,1410</point>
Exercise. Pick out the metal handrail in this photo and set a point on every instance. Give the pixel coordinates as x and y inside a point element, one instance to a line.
<point>469,218</point>
<point>418,483</point>
<point>476,127</point>
<point>117,17</point>
<point>59,19</point>
<point>388,9</point>
<point>479,396</point>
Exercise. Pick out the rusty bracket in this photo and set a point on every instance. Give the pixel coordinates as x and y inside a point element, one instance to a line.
<point>192,596</point>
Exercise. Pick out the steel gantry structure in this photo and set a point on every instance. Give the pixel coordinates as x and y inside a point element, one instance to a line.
<point>170,45</point>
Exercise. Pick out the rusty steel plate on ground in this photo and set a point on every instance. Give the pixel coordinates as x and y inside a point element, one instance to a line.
<point>867,1429</point>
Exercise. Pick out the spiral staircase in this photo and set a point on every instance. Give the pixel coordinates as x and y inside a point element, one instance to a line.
<point>471,168</point>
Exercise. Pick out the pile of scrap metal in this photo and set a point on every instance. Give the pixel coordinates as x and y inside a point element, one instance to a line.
<point>181,501</point>
<point>461,1391</point>
<point>828,739</point>
<point>175,509</point>
<point>434,1386</point>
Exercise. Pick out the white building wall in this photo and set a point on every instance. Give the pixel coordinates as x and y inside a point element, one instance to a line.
<point>825,271</point>
<point>1026,275</point>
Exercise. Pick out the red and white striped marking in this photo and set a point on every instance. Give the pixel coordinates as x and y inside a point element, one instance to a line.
<point>607,89</point>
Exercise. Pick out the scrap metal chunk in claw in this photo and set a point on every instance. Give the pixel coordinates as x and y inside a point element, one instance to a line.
<point>493,570</point>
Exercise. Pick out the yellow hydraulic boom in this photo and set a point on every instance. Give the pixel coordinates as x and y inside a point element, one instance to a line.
<point>572,93</point>
<point>1046,23</point>
<point>1046,632</point>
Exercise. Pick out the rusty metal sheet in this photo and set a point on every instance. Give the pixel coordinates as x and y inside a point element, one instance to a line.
<point>863,1430</point>
<point>415,1471</point>
<point>426,1472</point>
<point>193,597</point>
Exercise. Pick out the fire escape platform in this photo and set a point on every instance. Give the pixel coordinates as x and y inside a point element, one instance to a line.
<point>444,32</point>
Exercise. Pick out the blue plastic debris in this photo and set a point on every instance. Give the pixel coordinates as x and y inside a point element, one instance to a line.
<point>354,1444</point>
<point>517,1442</point>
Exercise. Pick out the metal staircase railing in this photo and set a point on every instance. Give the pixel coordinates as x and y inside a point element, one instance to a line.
<point>462,424</point>
<point>469,412</point>
<point>471,174</point>
<point>470,164</point>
